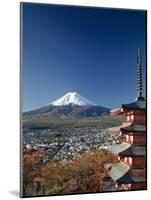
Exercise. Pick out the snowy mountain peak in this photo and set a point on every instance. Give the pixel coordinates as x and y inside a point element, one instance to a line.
<point>72,98</point>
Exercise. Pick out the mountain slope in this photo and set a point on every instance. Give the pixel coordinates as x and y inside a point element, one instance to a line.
<point>71,105</point>
<point>69,111</point>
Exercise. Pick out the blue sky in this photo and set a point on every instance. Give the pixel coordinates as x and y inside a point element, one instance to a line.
<point>88,50</point>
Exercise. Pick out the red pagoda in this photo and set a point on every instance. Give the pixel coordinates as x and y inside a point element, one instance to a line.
<point>130,172</point>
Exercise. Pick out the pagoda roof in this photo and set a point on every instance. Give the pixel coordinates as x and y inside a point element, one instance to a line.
<point>121,173</point>
<point>128,178</point>
<point>117,128</point>
<point>116,110</point>
<point>117,170</point>
<point>136,105</point>
<point>117,148</point>
<point>126,149</point>
<point>128,128</point>
<point>134,127</point>
<point>134,150</point>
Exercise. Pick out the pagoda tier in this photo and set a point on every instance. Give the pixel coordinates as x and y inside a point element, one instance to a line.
<point>126,177</point>
<point>132,155</point>
<point>134,112</point>
<point>132,133</point>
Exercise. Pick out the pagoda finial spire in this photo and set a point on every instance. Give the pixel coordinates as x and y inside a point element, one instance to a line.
<point>139,76</point>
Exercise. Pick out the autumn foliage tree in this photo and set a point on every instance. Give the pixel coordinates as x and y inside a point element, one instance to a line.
<point>31,159</point>
<point>84,174</point>
<point>88,170</point>
<point>81,175</point>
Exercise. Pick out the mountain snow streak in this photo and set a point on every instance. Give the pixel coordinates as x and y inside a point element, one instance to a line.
<point>72,98</point>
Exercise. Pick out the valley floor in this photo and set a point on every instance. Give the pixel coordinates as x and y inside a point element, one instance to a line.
<point>53,149</point>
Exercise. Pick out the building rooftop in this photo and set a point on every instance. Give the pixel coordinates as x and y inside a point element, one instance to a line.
<point>117,148</point>
<point>121,173</point>
<point>128,128</point>
<point>125,149</point>
<point>136,105</point>
<point>117,170</point>
<point>134,150</point>
<point>134,127</point>
<point>117,128</point>
<point>128,178</point>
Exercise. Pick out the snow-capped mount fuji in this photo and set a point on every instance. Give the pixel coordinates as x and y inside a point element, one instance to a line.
<point>72,98</point>
<point>71,105</point>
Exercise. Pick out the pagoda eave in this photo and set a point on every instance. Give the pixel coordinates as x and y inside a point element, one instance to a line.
<point>116,128</point>
<point>128,128</point>
<point>118,111</point>
<point>125,108</point>
<point>122,174</point>
<point>128,179</point>
<point>134,151</point>
<point>117,148</point>
<point>134,128</point>
<point>117,170</point>
<point>136,105</point>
